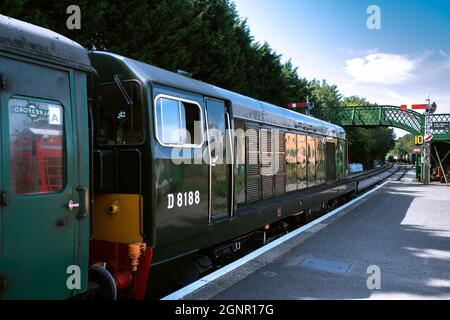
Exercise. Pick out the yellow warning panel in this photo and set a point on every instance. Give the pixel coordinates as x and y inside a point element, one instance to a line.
<point>116,218</point>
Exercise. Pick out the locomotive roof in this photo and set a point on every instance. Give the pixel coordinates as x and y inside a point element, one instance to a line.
<point>243,107</point>
<point>29,40</point>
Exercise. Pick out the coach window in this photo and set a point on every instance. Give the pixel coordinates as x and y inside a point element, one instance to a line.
<point>37,147</point>
<point>119,114</point>
<point>291,161</point>
<point>301,162</point>
<point>240,161</point>
<point>178,122</point>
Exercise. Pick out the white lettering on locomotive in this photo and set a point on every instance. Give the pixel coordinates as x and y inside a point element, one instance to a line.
<point>183,199</point>
<point>170,201</point>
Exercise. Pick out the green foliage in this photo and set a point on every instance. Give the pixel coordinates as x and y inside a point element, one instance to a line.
<point>324,95</point>
<point>206,38</point>
<point>355,101</point>
<point>403,146</point>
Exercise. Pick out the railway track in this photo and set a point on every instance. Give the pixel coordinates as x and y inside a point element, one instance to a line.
<point>408,174</point>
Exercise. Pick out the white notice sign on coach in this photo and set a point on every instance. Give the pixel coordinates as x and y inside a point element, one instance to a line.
<point>54,116</point>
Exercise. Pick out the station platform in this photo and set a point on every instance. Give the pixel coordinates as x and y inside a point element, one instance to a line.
<point>399,233</point>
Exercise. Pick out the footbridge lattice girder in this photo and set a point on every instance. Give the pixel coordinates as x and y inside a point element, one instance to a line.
<point>390,116</point>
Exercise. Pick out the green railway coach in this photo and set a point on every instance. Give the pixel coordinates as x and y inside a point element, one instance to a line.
<point>44,167</point>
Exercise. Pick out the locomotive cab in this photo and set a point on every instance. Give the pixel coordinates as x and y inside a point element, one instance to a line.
<point>119,256</point>
<point>152,167</point>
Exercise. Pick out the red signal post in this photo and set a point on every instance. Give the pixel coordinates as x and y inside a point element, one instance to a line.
<point>414,107</point>
<point>298,105</point>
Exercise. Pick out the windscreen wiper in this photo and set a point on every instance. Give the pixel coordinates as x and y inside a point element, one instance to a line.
<point>122,89</point>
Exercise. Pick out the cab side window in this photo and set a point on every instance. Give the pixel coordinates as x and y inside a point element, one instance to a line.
<point>179,122</point>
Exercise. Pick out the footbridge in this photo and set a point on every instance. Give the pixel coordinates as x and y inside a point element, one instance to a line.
<point>411,121</point>
<point>391,116</point>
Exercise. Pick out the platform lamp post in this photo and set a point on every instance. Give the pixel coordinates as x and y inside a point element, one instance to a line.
<point>427,145</point>
<point>426,157</point>
<point>427,136</point>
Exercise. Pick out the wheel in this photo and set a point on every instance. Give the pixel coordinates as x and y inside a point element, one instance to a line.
<point>107,289</point>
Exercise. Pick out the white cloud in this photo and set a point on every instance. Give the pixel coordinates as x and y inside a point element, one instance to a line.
<point>384,68</point>
<point>427,53</point>
<point>399,99</point>
<point>357,52</point>
<point>447,59</point>
<point>381,68</point>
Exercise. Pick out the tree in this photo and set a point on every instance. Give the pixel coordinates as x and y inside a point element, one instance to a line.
<point>356,101</point>
<point>296,88</point>
<point>206,38</point>
<point>402,146</point>
<point>327,96</point>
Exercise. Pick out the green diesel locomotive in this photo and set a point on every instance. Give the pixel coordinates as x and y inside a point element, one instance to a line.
<point>123,180</point>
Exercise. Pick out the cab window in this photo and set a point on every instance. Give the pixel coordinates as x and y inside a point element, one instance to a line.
<point>119,116</point>
<point>178,122</point>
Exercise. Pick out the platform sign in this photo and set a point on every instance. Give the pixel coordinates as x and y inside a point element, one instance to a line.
<point>440,126</point>
<point>54,115</point>
<point>416,150</point>
<point>418,140</point>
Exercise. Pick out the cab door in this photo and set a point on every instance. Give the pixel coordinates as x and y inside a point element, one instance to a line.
<point>39,202</point>
<point>3,282</point>
<point>221,155</point>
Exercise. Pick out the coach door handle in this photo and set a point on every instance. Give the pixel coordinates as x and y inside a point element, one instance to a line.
<point>85,196</point>
<point>72,205</point>
<point>3,198</point>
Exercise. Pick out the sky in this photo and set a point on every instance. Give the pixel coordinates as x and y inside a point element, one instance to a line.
<point>398,63</point>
